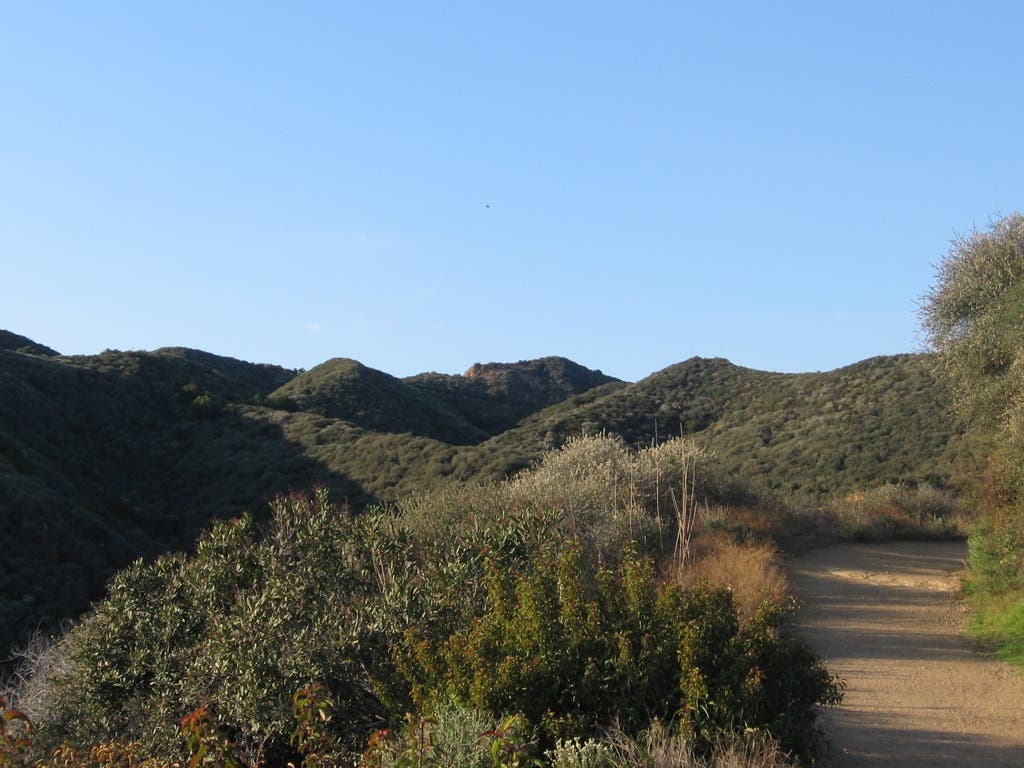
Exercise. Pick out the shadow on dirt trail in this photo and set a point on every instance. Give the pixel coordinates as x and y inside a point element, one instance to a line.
<point>885,618</point>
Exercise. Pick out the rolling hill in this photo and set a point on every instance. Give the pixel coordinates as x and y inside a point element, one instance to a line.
<point>111,457</point>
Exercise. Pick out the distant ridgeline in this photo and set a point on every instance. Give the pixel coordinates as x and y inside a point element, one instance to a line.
<point>111,457</point>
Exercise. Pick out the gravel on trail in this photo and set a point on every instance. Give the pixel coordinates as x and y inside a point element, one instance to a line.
<point>886,618</point>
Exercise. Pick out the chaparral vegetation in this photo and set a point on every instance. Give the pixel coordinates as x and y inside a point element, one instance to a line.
<point>533,564</point>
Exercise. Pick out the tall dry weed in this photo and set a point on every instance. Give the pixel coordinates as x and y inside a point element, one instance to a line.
<point>608,495</point>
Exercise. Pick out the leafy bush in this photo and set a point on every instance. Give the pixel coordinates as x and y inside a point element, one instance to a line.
<point>457,739</point>
<point>16,732</point>
<point>205,741</point>
<point>239,627</point>
<point>995,583</point>
<point>593,491</point>
<point>999,622</point>
<point>973,320</point>
<point>996,552</point>
<point>426,743</point>
<point>107,755</point>
<point>573,648</point>
<point>972,317</point>
<point>420,745</point>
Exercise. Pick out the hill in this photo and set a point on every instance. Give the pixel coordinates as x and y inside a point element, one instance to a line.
<point>460,410</point>
<point>497,396</point>
<point>880,420</point>
<point>107,458</point>
<point>16,343</point>
<point>111,457</point>
<point>374,401</point>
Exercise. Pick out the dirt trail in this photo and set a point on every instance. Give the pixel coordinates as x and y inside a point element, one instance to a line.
<point>884,618</point>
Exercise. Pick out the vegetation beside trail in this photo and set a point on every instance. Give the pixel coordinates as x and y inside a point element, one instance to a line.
<point>973,317</point>
<point>556,618</point>
<point>111,457</point>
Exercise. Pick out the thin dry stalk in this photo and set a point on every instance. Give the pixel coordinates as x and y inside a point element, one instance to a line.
<point>686,512</point>
<point>657,492</point>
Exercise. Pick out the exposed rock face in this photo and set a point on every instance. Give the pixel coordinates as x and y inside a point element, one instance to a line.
<point>548,380</point>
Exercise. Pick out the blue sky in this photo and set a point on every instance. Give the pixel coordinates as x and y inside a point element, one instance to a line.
<point>424,186</point>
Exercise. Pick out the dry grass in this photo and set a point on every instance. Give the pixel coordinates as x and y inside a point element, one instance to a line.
<point>751,570</point>
<point>896,511</point>
<point>661,747</point>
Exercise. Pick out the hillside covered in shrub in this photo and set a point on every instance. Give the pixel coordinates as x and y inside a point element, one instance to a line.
<point>111,457</point>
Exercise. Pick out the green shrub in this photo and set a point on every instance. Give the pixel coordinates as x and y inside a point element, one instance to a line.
<point>16,735</point>
<point>973,320</point>
<point>457,735</point>
<point>240,626</point>
<point>446,743</point>
<point>995,582</point>
<point>574,648</point>
<point>996,552</point>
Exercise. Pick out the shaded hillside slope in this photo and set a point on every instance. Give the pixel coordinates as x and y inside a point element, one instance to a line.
<point>109,458</point>
<point>121,455</point>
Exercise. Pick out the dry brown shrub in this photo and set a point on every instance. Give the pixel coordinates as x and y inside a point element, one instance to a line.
<point>895,511</point>
<point>751,570</point>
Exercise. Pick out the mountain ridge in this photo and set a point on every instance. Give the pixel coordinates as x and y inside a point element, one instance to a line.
<point>110,457</point>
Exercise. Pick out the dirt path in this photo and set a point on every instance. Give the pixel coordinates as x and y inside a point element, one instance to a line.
<point>884,618</point>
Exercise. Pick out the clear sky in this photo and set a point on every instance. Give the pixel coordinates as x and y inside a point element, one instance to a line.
<point>422,186</point>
